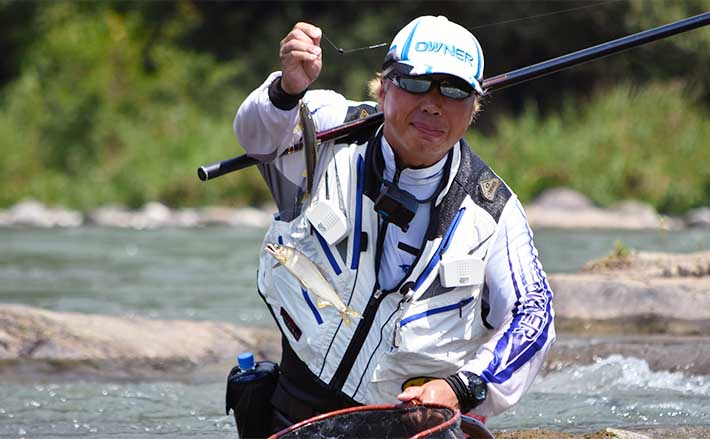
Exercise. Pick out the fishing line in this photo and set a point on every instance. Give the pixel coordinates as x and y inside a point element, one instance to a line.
<point>547,14</point>
<point>343,51</point>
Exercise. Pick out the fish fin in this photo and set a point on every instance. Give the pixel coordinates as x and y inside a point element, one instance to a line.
<point>352,313</point>
<point>322,304</point>
<point>348,314</point>
<point>346,318</point>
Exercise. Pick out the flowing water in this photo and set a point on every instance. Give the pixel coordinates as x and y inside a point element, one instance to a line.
<point>209,274</point>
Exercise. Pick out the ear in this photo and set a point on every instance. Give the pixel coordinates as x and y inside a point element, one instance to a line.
<point>384,84</point>
<point>474,111</point>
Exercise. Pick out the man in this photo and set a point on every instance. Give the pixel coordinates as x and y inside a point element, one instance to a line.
<point>422,238</point>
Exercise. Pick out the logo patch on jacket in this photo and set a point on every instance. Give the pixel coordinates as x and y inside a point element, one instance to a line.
<point>359,112</point>
<point>489,187</point>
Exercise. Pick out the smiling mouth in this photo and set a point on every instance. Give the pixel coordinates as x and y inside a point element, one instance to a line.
<point>427,129</point>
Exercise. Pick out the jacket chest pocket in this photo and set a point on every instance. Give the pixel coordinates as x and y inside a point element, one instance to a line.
<point>435,324</point>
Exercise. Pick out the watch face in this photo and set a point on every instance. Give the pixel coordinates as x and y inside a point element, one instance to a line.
<point>477,387</point>
<point>479,391</point>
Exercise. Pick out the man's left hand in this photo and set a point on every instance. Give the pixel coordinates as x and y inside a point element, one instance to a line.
<point>435,391</point>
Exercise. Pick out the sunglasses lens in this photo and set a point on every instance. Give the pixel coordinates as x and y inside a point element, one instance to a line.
<point>454,92</point>
<point>414,85</point>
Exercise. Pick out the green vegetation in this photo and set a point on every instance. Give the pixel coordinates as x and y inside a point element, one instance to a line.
<point>120,102</point>
<point>620,250</point>
<point>103,129</point>
<point>648,143</point>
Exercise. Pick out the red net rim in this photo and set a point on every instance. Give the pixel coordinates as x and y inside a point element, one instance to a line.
<point>444,425</point>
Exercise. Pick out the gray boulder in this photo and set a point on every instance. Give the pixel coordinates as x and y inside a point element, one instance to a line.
<point>699,218</point>
<point>566,208</point>
<point>35,214</point>
<point>34,341</point>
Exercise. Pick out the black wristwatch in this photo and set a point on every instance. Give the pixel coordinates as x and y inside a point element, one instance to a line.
<point>470,389</point>
<point>477,388</point>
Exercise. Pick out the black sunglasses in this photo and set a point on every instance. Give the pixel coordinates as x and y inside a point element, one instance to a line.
<point>450,88</point>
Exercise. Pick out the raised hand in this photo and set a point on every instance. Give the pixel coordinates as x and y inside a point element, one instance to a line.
<point>301,58</point>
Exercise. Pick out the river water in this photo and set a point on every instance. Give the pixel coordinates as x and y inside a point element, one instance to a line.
<point>209,274</point>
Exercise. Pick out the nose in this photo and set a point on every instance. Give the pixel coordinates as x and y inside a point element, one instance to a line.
<point>432,102</point>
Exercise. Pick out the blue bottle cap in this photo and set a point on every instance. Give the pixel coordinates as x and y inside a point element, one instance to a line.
<point>245,360</point>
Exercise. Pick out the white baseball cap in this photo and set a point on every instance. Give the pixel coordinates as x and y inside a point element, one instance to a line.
<point>429,45</point>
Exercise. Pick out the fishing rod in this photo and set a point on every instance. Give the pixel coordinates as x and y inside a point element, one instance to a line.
<point>498,82</point>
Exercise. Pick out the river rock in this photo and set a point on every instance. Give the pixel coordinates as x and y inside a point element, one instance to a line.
<point>39,342</point>
<point>110,216</point>
<point>699,218</point>
<point>154,215</point>
<point>638,292</point>
<point>562,198</point>
<point>566,208</point>
<point>5,218</point>
<point>248,216</point>
<point>150,216</point>
<point>32,213</point>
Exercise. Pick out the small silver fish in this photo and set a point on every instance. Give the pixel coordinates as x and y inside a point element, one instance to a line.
<point>311,279</point>
<point>310,143</point>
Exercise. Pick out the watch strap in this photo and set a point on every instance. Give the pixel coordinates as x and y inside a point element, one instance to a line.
<point>461,391</point>
<point>465,385</point>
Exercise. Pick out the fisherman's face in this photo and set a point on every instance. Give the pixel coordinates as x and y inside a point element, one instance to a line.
<point>422,128</point>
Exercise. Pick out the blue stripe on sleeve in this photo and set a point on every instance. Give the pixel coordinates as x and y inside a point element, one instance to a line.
<point>522,340</point>
<point>512,274</point>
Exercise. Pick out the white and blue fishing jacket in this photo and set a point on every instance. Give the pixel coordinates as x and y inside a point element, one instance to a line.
<point>498,326</point>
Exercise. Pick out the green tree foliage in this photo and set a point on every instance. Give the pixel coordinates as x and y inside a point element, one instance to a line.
<point>647,143</point>
<point>686,57</point>
<point>87,123</point>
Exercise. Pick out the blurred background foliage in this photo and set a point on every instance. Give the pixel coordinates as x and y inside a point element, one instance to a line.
<point>118,102</point>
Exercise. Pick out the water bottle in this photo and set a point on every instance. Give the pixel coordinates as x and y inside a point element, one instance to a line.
<point>249,389</point>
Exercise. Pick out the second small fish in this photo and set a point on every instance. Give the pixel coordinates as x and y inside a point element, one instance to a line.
<point>310,144</point>
<point>311,279</point>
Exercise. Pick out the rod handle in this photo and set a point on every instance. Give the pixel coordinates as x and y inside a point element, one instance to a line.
<point>214,170</point>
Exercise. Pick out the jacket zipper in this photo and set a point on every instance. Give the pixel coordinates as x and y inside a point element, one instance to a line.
<point>400,322</point>
<point>454,306</point>
<point>368,317</point>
